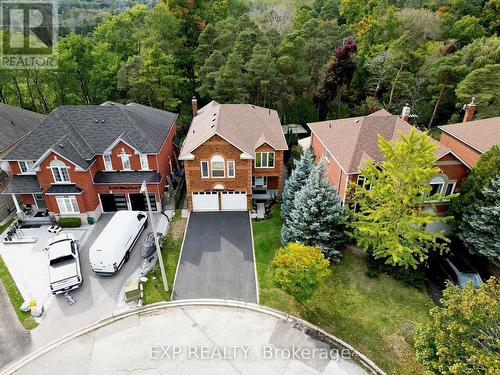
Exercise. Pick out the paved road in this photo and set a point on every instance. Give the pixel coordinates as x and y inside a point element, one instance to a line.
<point>207,339</point>
<point>95,300</point>
<point>217,258</point>
<point>14,339</point>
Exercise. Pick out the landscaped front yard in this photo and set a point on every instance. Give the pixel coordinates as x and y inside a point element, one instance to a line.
<point>373,315</point>
<point>171,248</point>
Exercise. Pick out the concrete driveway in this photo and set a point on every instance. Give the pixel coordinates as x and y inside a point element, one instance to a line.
<point>217,258</point>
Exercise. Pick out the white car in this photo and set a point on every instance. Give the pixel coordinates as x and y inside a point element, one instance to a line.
<point>65,272</point>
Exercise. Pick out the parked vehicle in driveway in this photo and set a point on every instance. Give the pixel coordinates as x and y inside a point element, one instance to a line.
<point>456,269</point>
<point>113,246</point>
<point>65,272</point>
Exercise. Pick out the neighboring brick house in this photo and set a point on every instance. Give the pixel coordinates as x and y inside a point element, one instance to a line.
<point>232,153</point>
<point>347,144</point>
<point>470,139</point>
<point>15,124</point>
<point>85,160</point>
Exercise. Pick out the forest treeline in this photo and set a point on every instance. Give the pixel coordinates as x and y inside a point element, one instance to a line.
<point>308,59</point>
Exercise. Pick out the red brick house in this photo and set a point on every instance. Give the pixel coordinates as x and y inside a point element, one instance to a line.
<point>346,145</point>
<point>233,153</point>
<point>470,139</point>
<point>86,160</point>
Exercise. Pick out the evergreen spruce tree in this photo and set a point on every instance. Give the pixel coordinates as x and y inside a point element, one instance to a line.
<point>295,182</point>
<point>316,218</point>
<point>480,228</point>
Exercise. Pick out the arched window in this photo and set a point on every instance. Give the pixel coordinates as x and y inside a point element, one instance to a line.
<point>217,164</point>
<point>59,171</point>
<point>437,184</point>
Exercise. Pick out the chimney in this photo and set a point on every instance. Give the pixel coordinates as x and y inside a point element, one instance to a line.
<point>405,114</point>
<point>470,109</point>
<point>194,105</point>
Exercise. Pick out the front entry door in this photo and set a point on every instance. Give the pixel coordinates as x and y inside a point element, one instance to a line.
<point>40,202</point>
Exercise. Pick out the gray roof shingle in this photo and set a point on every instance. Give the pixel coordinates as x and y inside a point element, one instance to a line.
<point>63,190</point>
<point>132,177</point>
<point>81,132</point>
<point>15,123</point>
<point>23,184</point>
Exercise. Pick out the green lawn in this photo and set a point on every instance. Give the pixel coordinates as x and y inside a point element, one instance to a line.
<point>10,286</point>
<point>373,315</point>
<point>172,242</point>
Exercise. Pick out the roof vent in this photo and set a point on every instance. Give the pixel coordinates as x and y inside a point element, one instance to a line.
<point>193,131</point>
<point>330,125</point>
<point>212,126</point>
<point>96,121</point>
<point>269,111</point>
<point>12,122</point>
<point>356,121</point>
<point>61,145</point>
<point>102,121</point>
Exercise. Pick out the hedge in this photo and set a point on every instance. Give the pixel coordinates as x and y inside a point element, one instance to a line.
<point>69,222</point>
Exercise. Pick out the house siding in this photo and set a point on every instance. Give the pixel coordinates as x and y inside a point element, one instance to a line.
<point>462,150</point>
<point>88,200</point>
<point>217,146</point>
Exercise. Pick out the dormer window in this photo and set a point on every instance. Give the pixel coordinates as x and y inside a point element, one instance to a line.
<point>125,161</point>
<point>108,164</point>
<point>26,166</point>
<point>59,171</point>
<point>264,160</point>
<point>144,162</point>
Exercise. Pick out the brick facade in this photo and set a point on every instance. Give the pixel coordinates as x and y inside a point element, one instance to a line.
<point>462,150</point>
<point>244,169</point>
<point>88,200</point>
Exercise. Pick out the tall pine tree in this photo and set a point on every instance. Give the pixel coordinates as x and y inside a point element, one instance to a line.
<point>295,182</point>
<point>316,218</point>
<point>480,228</point>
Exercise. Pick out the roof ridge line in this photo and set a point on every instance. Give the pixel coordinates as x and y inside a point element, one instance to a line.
<point>127,114</point>
<point>77,132</point>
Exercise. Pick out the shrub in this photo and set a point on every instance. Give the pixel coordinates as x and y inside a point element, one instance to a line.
<point>69,222</point>
<point>299,270</point>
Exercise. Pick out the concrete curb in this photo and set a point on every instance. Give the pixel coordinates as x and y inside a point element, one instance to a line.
<point>359,358</point>
<point>254,258</point>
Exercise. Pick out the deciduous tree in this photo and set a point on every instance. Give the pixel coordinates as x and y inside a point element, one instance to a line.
<point>392,201</point>
<point>462,336</point>
<point>299,270</point>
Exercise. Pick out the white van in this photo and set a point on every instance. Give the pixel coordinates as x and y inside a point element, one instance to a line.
<point>113,246</point>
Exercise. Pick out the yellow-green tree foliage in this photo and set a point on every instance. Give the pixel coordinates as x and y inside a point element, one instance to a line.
<point>394,208</point>
<point>463,336</point>
<point>299,270</point>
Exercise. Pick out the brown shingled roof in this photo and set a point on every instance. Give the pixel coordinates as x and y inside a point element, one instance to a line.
<point>479,134</point>
<point>244,125</point>
<point>352,141</point>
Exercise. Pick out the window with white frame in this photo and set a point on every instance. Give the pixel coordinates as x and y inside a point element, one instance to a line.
<point>125,161</point>
<point>231,169</point>
<point>437,185</point>
<point>450,188</point>
<point>259,181</point>
<point>326,155</point>
<point>108,164</point>
<point>144,162</point>
<point>26,166</point>
<point>264,160</point>
<point>59,171</point>
<point>67,205</point>
<point>363,182</point>
<point>204,169</point>
<point>217,166</point>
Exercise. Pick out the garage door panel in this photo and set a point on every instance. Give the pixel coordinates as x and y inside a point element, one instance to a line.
<point>113,202</point>
<point>205,201</point>
<point>234,201</point>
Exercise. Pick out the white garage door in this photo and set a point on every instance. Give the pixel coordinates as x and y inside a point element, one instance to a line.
<point>234,201</point>
<point>205,201</point>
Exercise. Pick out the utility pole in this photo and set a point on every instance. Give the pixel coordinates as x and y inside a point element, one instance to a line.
<point>144,190</point>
